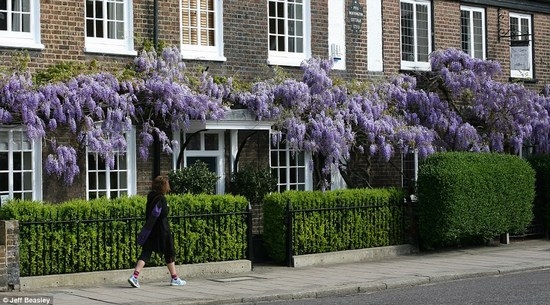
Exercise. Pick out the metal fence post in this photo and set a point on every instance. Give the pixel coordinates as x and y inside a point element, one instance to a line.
<point>288,222</point>
<point>250,252</point>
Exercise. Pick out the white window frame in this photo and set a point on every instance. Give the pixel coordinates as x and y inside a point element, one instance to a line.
<point>219,154</point>
<point>17,137</point>
<point>528,73</point>
<point>107,45</point>
<point>198,52</point>
<point>131,172</point>
<point>25,40</point>
<point>285,58</point>
<point>416,64</point>
<point>290,183</point>
<point>472,36</point>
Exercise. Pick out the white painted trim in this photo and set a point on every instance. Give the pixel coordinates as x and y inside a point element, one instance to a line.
<point>233,150</point>
<point>417,65</point>
<point>337,33</point>
<point>471,10</point>
<point>218,154</point>
<point>30,40</point>
<point>37,170</point>
<point>279,58</point>
<point>524,73</point>
<point>375,60</point>
<point>115,46</point>
<point>212,53</point>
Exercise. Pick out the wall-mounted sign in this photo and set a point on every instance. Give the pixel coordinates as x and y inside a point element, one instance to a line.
<point>355,15</point>
<point>520,56</point>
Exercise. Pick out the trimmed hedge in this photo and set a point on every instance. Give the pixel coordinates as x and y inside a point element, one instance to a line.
<point>367,218</point>
<point>470,197</point>
<point>541,165</point>
<point>100,234</point>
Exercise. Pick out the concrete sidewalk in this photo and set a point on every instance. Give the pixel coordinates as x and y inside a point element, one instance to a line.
<point>265,283</point>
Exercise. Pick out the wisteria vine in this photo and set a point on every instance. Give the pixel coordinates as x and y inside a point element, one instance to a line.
<point>459,105</point>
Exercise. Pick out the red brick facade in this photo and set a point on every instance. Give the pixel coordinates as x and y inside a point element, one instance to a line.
<point>246,47</point>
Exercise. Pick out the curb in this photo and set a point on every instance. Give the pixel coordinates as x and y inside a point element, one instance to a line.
<point>149,274</point>
<point>368,287</point>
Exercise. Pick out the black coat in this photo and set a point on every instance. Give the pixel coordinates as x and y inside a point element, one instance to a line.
<point>160,239</point>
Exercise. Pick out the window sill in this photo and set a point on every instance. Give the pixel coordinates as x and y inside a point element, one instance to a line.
<point>110,51</point>
<point>526,80</point>
<point>204,57</point>
<point>21,45</point>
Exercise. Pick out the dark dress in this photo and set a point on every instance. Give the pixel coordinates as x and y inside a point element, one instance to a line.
<point>160,239</point>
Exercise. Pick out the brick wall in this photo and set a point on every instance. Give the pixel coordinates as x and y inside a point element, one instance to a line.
<point>9,255</point>
<point>246,47</point>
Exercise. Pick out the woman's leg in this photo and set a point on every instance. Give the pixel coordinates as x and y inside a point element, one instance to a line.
<point>144,257</point>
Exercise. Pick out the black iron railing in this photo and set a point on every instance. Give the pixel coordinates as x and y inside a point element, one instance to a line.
<point>109,243</point>
<point>384,225</point>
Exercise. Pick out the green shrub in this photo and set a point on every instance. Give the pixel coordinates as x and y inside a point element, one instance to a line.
<point>467,197</point>
<point>195,179</point>
<point>334,220</point>
<point>541,165</point>
<point>100,234</point>
<point>254,183</point>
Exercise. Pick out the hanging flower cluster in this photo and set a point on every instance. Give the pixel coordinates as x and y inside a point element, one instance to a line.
<point>100,109</point>
<point>459,105</point>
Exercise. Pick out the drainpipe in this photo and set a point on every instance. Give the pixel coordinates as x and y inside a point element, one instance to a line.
<point>156,143</point>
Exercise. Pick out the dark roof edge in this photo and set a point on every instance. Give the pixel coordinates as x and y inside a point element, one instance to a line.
<point>540,6</point>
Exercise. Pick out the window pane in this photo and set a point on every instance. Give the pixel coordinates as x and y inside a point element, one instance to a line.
<point>27,160</point>
<point>478,35</point>
<point>89,9</point>
<point>26,23</point>
<point>293,175</point>
<point>4,139</point>
<point>407,32</point>
<point>211,162</point>
<point>282,176</point>
<point>4,178</point>
<point>102,180</point>
<point>120,11</point>
<point>465,30</point>
<point>211,141</point>
<point>27,181</point>
<point>282,158</point>
<point>92,184</point>
<point>194,142</point>
<point>525,29</point>
<point>99,29</point>
<point>15,22</point>
<point>422,32</point>
<point>4,161</point>
<point>90,28</point>
<point>291,45</point>
<point>26,6</point>
<point>514,28</point>
<point>281,43</point>
<point>17,160</point>
<point>271,9</point>
<point>17,177</point>
<point>113,181</point>
<point>280,9</point>
<point>3,21</point>
<point>123,181</point>
<point>16,5</point>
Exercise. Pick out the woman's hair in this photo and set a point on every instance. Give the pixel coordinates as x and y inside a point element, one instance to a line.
<point>161,184</point>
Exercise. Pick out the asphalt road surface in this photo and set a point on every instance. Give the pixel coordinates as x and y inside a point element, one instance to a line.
<point>525,288</point>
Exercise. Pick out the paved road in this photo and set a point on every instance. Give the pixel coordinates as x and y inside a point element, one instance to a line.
<point>523,288</point>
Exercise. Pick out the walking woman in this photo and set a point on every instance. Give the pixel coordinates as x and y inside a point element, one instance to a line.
<point>156,235</point>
